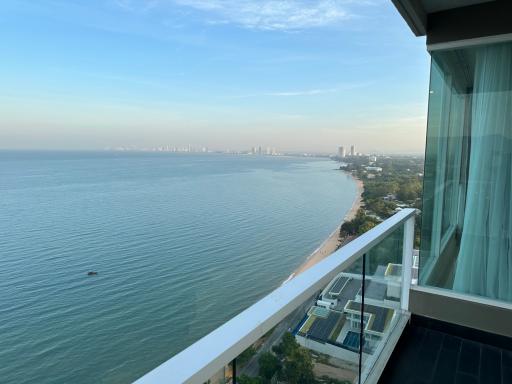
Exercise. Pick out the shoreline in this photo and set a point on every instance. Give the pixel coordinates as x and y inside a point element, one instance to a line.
<point>333,242</point>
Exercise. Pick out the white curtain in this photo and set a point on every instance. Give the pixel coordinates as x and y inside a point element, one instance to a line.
<point>484,263</point>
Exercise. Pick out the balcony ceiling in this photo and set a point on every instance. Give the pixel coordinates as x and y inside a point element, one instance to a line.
<point>431,6</point>
<point>415,12</point>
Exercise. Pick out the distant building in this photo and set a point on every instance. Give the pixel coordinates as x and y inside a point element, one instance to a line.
<point>352,150</point>
<point>390,197</point>
<point>331,326</point>
<point>375,319</point>
<point>341,152</point>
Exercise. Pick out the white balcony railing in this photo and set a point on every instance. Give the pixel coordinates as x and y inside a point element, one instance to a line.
<point>200,361</point>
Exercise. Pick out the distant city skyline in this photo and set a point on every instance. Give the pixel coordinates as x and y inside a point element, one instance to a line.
<point>338,152</point>
<point>295,75</point>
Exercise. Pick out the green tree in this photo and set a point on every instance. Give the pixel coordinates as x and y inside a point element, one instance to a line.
<point>244,379</point>
<point>246,355</point>
<point>365,227</point>
<point>298,368</point>
<point>269,365</point>
<point>409,190</point>
<point>360,224</point>
<point>379,189</point>
<point>381,207</point>
<point>287,346</point>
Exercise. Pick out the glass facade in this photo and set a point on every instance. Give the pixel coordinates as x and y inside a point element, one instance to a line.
<point>466,240</point>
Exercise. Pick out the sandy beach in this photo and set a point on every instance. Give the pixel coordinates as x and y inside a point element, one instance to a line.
<point>332,243</point>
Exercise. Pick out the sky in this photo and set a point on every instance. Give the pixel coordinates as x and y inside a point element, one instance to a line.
<point>296,75</point>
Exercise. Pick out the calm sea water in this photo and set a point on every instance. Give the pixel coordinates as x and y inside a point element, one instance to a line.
<point>181,244</point>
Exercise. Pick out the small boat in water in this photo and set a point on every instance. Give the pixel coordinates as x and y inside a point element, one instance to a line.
<point>92,273</point>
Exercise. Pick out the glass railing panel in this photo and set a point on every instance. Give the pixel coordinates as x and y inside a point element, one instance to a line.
<point>382,297</point>
<point>313,344</point>
<point>324,339</point>
<point>333,320</point>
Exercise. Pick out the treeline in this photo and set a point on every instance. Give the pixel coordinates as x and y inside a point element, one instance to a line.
<point>288,362</point>
<point>405,189</point>
<point>359,224</point>
<point>400,183</point>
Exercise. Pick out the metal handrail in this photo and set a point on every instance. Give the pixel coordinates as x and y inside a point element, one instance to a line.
<point>204,358</point>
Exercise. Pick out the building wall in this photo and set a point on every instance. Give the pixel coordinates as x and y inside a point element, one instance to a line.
<point>328,349</point>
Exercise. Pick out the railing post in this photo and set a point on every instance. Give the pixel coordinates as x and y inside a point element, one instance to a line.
<point>361,320</point>
<point>408,245</point>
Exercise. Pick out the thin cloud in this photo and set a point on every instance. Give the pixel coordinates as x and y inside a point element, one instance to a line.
<point>135,6</point>
<point>309,92</point>
<point>270,15</point>
<point>273,15</point>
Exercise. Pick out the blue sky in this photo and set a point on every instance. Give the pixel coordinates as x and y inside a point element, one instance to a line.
<point>298,75</point>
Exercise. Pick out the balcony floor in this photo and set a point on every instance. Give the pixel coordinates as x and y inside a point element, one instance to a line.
<point>435,352</point>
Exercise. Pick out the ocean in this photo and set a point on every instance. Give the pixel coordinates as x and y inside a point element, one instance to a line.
<point>181,243</point>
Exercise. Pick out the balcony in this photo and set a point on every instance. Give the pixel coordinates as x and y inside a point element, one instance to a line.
<point>357,317</point>
<point>347,312</point>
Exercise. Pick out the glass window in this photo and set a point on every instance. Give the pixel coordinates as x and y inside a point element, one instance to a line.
<point>467,212</point>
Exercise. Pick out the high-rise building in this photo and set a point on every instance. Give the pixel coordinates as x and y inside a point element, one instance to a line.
<point>352,150</point>
<point>341,152</point>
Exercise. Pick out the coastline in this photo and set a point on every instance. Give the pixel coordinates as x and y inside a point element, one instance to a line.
<point>333,242</point>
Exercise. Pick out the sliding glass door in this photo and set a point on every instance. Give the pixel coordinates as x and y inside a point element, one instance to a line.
<point>467,213</point>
